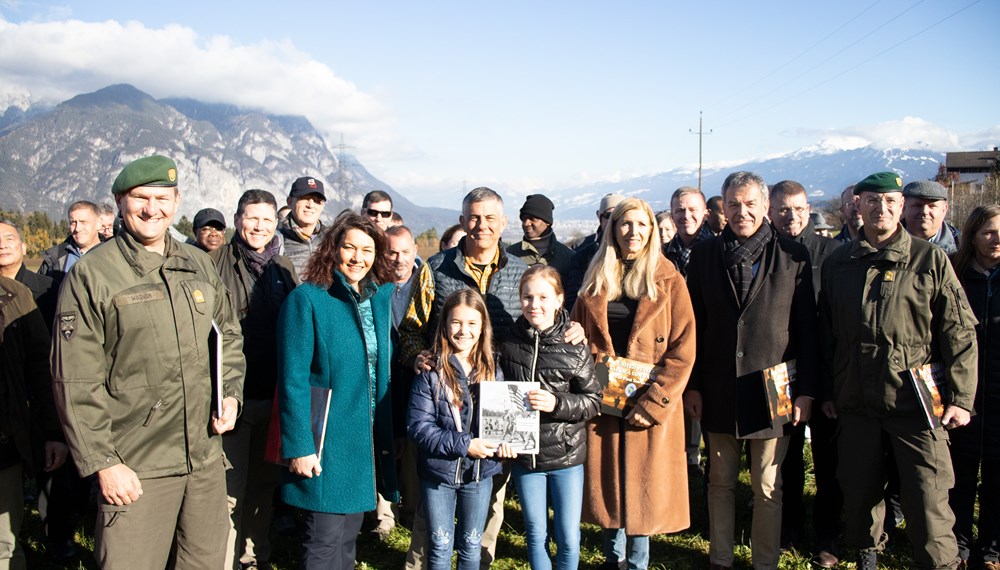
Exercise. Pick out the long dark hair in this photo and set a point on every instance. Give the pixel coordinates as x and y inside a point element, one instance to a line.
<point>966,253</point>
<point>481,357</point>
<point>320,267</point>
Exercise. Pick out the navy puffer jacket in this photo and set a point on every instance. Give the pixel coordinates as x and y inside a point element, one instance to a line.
<point>565,370</point>
<point>442,447</point>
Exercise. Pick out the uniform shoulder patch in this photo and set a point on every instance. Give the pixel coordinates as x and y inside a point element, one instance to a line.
<point>67,325</point>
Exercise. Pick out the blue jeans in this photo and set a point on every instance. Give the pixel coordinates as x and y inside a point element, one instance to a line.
<point>440,501</point>
<point>565,486</point>
<point>615,543</point>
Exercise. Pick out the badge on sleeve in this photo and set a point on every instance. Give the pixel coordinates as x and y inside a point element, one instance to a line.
<point>198,296</point>
<point>889,276</point>
<point>67,325</point>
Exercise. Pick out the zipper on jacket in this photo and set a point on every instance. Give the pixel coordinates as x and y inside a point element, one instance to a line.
<point>534,362</point>
<point>152,412</point>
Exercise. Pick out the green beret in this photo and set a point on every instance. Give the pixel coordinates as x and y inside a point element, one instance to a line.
<point>148,171</point>
<point>880,182</point>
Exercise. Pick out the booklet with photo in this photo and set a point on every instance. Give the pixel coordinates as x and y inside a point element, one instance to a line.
<point>932,391</point>
<point>506,417</point>
<point>623,381</point>
<point>319,417</point>
<point>764,399</point>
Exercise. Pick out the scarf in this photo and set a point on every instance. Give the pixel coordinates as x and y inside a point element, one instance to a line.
<point>255,261</point>
<point>740,257</point>
<point>676,251</point>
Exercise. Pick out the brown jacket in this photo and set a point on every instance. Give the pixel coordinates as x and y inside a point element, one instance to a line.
<point>647,493</point>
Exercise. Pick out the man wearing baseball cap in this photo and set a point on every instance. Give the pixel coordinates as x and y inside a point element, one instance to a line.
<point>924,212</point>
<point>133,382</point>
<point>209,229</point>
<point>302,230</point>
<point>889,304</point>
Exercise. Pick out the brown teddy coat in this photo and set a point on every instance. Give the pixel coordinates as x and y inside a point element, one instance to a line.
<point>647,493</point>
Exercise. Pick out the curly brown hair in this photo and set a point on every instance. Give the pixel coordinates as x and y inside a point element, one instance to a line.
<point>322,262</point>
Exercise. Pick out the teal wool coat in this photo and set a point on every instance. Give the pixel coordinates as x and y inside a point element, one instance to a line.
<point>321,343</point>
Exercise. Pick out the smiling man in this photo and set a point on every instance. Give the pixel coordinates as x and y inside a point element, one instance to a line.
<point>890,303</point>
<point>302,230</point>
<point>258,278</point>
<point>377,207</point>
<point>540,245</point>
<point>84,225</point>
<point>132,381</point>
<point>925,208</point>
<point>688,210</point>
<point>754,307</point>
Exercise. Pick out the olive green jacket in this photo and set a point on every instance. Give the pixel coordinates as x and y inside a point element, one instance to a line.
<point>130,358</point>
<point>886,311</point>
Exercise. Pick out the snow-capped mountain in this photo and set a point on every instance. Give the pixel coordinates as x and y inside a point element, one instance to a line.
<point>825,169</point>
<point>52,157</point>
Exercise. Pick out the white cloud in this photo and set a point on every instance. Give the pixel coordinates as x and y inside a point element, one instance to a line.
<point>54,60</point>
<point>908,133</point>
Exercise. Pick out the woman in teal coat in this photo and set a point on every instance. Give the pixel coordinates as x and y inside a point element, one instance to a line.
<point>333,333</point>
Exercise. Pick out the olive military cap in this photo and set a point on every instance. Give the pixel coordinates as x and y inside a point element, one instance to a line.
<point>148,171</point>
<point>880,182</point>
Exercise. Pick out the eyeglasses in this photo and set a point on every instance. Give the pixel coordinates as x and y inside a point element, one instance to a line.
<point>874,201</point>
<point>378,213</point>
<point>210,230</point>
<point>798,211</point>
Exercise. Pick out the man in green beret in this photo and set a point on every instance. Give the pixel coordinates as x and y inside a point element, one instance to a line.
<point>134,386</point>
<point>889,304</point>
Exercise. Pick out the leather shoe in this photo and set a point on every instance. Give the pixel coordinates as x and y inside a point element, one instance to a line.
<point>826,559</point>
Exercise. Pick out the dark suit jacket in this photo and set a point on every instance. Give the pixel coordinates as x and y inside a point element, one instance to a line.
<point>44,290</point>
<point>777,324</point>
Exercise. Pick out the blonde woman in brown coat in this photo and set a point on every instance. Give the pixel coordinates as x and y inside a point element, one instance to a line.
<point>634,303</point>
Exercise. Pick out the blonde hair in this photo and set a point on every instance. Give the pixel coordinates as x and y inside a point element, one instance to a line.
<point>606,273</point>
<point>482,355</point>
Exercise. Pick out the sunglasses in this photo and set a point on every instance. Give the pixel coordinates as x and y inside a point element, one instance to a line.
<point>378,213</point>
<point>606,215</point>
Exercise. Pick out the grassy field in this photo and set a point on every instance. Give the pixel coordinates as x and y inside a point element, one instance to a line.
<point>681,551</point>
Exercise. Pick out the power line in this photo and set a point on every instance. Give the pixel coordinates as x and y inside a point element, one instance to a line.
<point>821,63</point>
<point>760,79</point>
<point>852,68</point>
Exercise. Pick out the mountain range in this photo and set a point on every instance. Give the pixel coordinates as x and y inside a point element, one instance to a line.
<point>52,156</point>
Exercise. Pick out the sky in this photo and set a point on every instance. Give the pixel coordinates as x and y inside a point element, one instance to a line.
<point>438,97</point>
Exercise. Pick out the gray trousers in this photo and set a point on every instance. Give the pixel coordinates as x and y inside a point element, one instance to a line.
<point>925,475</point>
<point>190,507</point>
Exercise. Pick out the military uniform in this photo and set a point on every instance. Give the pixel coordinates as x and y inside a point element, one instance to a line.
<point>132,381</point>
<point>886,311</point>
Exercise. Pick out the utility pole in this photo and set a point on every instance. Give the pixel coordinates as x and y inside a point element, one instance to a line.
<point>701,132</point>
<point>341,162</point>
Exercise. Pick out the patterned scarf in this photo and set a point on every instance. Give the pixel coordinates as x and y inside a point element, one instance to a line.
<point>676,251</point>
<point>255,261</point>
<point>740,257</point>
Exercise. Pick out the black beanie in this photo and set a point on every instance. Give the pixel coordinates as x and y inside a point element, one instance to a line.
<point>538,206</point>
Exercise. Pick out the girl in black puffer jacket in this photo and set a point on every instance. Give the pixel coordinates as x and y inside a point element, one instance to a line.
<point>536,351</point>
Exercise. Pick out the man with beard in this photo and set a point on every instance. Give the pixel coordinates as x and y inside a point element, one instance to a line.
<point>258,278</point>
<point>790,216</point>
<point>84,219</point>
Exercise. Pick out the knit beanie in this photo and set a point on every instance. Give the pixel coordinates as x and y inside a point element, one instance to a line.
<point>538,206</point>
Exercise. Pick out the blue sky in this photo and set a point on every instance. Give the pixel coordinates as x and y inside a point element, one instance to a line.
<point>435,96</point>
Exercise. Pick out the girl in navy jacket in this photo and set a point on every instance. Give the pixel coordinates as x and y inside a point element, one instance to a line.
<point>455,468</point>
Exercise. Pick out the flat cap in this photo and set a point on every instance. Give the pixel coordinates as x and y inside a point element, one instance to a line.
<point>147,171</point>
<point>610,201</point>
<point>880,182</point>
<point>209,216</point>
<point>926,189</point>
